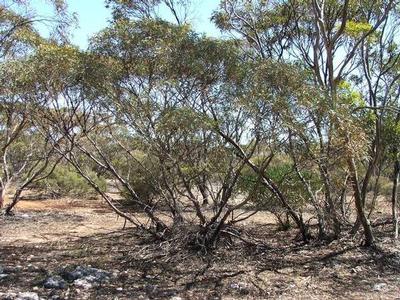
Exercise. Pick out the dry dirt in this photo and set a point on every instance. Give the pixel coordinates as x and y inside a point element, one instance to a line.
<point>46,236</point>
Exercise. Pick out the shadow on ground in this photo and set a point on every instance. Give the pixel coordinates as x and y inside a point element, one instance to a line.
<point>142,269</point>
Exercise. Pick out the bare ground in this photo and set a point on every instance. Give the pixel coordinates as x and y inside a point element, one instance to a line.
<point>48,235</point>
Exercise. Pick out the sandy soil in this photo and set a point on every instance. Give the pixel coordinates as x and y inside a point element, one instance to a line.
<point>57,219</point>
<point>48,235</point>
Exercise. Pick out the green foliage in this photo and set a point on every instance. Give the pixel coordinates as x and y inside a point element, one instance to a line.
<point>391,138</point>
<point>356,29</point>
<point>349,96</point>
<point>391,132</point>
<point>385,187</point>
<point>282,173</point>
<point>64,181</point>
<point>181,120</point>
<point>144,175</point>
<point>168,52</point>
<point>169,111</point>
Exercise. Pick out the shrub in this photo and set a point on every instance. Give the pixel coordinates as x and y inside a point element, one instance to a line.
<point>282,173</point>
<point>141,173</point>
<point>64,181</point>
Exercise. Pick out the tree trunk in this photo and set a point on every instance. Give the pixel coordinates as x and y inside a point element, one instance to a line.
<point>202,186</point>
<point>330,207</point>
<point>272,187</point>
<point>395,216</point>
<point>358,199</point>
<point>343,208</point>
<point>13,202</point>
<point>2,196</point>
<point>297,218</point>
<point>3,191</point>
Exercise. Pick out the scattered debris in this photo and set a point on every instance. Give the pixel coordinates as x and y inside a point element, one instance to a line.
<point>55,282</point>
<point>240,287</point>
<point>80,276</point>
<point>2,276</point>
<point>122,264</point>
<point>3,273</point>
<point>88,273</point>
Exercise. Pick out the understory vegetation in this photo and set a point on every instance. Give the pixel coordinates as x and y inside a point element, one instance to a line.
<point>294,110</point>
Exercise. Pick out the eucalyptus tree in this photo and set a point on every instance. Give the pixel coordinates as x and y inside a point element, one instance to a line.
<point>324,37</point>
<point>259,91</point>
<point>135,104</point>
<point>179,11</point>
<point>237,115</point>
<point>379,58</point>
<point>18,25</point>
<point>27,156</point>
<point>24,155</point>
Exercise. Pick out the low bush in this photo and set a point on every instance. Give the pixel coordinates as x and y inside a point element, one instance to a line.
<point>64,181</point>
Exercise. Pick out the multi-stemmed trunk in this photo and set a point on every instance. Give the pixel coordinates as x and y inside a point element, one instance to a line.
<point>358,199</point>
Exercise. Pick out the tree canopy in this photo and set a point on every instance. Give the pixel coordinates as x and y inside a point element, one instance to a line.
<point>295,110</point>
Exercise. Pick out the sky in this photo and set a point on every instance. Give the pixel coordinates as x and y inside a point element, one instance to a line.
<point>93,16</point>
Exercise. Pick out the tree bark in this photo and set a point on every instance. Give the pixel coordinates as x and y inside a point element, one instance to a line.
<point>395,216</point>
<point>14,201</point>
<point>358,199</point>
<point>272,187</point>
<point>202,186</point>
<point>3,191</point>
<point>2,196</point>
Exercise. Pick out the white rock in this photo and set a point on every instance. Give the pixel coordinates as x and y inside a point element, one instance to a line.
<point>8,295</point>
<point>83,283</point>
<point>234,286</point>
<point>28,296</point>
<point>54,282</point>
<point>379,287</point>
<point>286,271</point>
